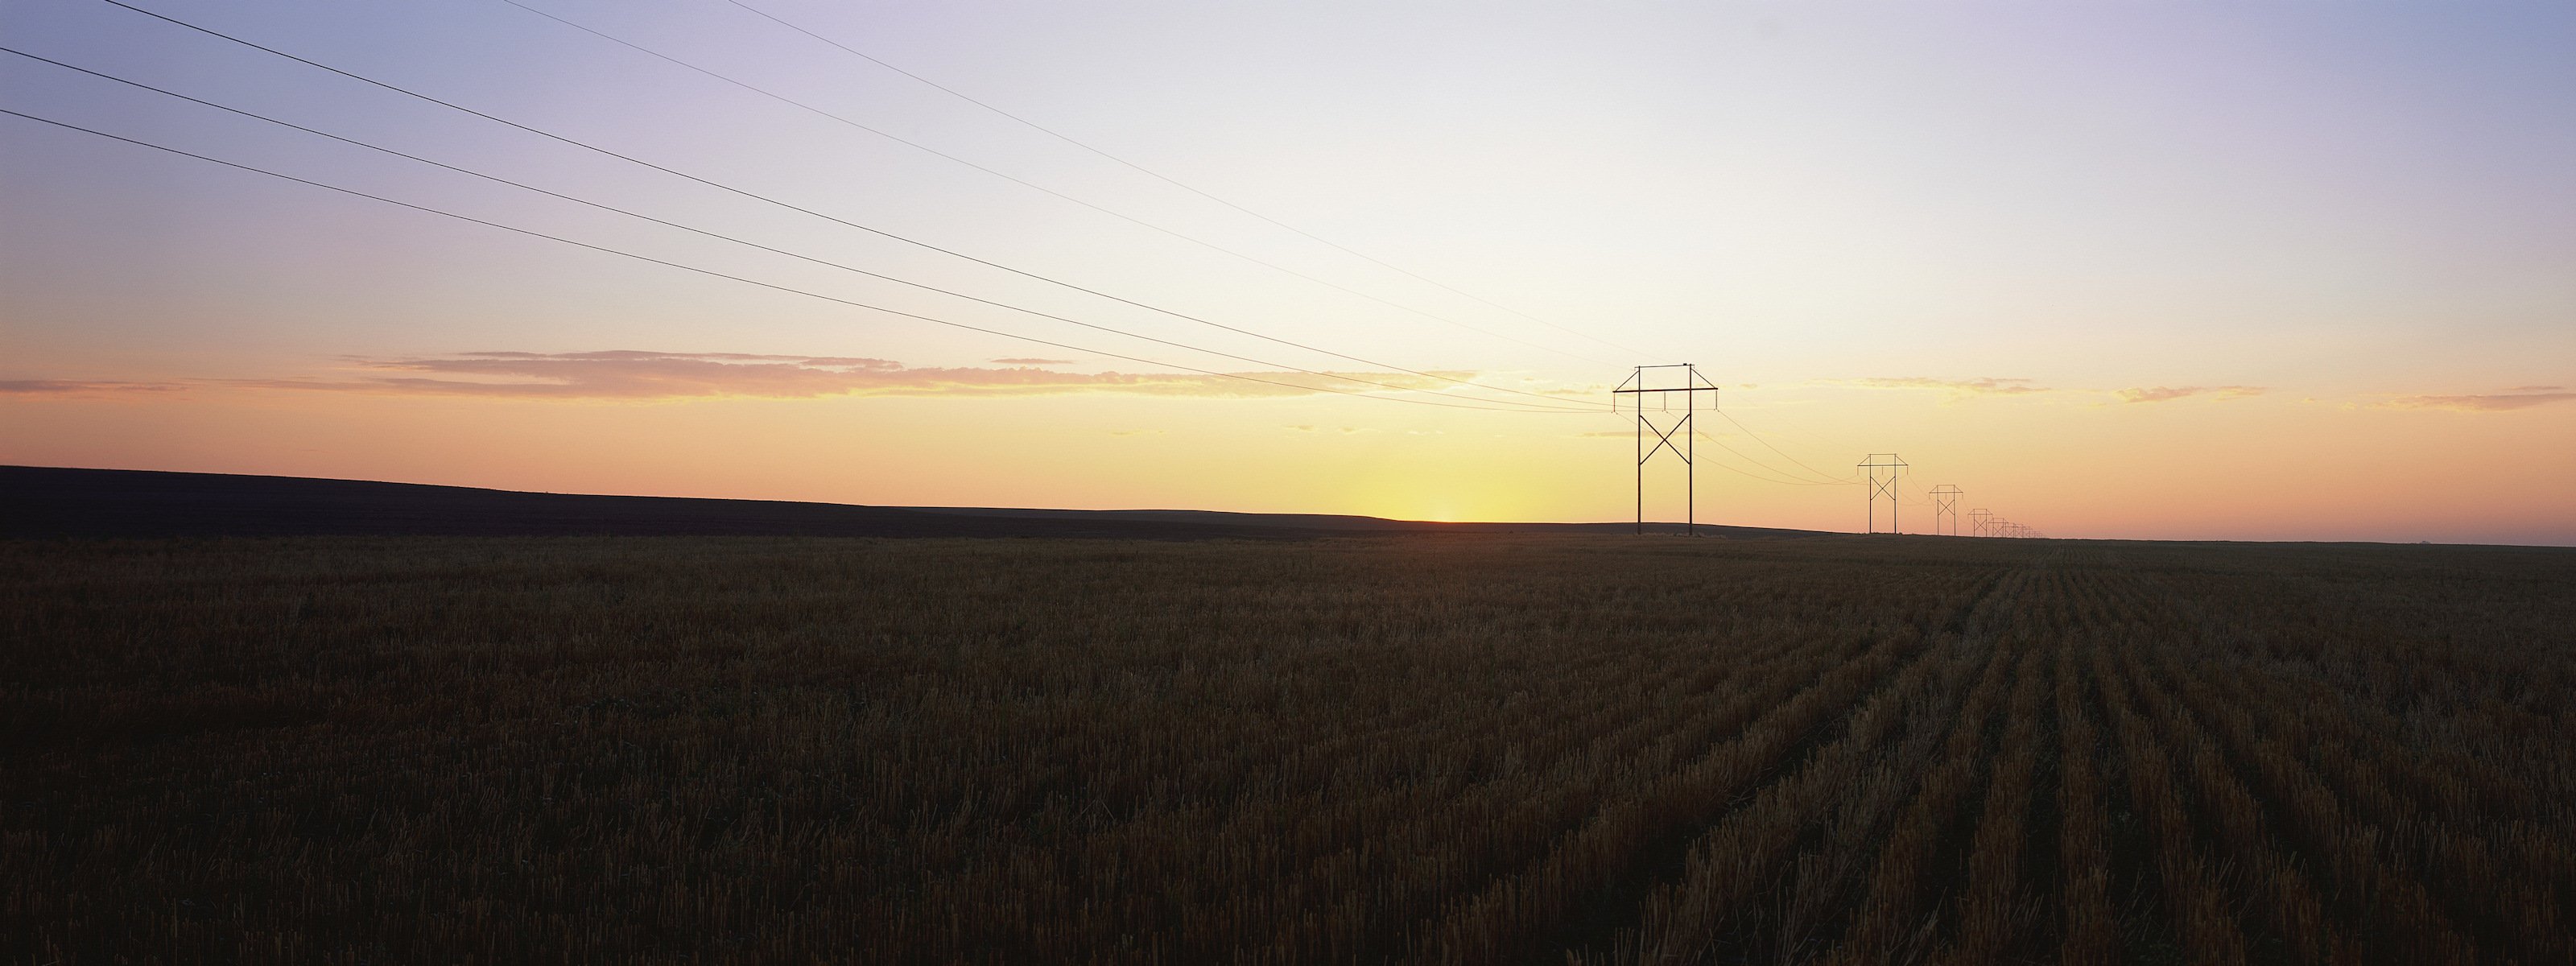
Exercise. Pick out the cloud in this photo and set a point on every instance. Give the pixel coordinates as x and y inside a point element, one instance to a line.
<point>1031,362</point>
<point>1960,387</point>
<point>2537,389</point>
<point>80,387</point>
<point>2168,393</point>
<point>1303,429</point>
<point>689,375</point>
<point>1997,386</point>
<point>2498,402</point>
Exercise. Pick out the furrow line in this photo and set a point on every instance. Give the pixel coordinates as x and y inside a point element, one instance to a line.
<point>1742,855</point>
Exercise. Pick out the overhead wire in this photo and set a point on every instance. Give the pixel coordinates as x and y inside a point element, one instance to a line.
<point>1784,454</point>
<point>1446,402</point>
<point>704,181</point>
<point>1778,477</point>
<point>1819,477</point>
<point>1791,478</point>
<point>818,261</point>
<point>1747,473</point>
<point>738,278</point>
<point>1157,175</point>
<point>1211,246</point>
<point>1713,441</point>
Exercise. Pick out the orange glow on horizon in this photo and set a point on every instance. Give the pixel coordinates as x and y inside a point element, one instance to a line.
<point>2257,468</point>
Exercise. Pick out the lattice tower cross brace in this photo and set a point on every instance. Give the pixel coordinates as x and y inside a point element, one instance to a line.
<point>1640,392</point>
<point>1884,470</point>
<point>1945,502</point>
<point>1977,522</point>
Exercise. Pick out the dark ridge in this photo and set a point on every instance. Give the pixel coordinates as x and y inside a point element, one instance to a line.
<point>50,502</point>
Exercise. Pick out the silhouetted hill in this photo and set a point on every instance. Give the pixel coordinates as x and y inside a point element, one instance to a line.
<point>61,502</point>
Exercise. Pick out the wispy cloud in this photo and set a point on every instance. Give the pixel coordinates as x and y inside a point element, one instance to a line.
<point>2001,386</point>
<point>1031,362</point>
<point>636,375</point>
<point>2497,402</point>
<point>2169,393</point>
<point>80,387</point>
<point>1959,387</point>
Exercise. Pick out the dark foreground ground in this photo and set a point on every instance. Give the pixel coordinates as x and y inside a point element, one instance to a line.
<point>45,501</point>
<point>1422,748</point>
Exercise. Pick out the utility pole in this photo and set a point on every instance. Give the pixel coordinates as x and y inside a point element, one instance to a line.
<point>1884,470</point>
<point>1945,501</point>
<point>1644,396</point>
<point>1977,522</point>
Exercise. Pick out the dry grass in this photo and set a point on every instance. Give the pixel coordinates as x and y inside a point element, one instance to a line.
<point>1443,749</point>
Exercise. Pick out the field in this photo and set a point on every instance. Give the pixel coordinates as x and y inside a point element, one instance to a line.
<point>1408,749</point>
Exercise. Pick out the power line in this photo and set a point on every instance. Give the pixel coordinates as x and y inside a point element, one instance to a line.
<point>751,244</point>
<point>1791,478</point>
<point>694,178</point>
<point>1775,478</point>
<point>747,281</point>
<point>1157,175</point>
<point>1554,404</point>
<point>1211,246</point>
<point>1784,454</point>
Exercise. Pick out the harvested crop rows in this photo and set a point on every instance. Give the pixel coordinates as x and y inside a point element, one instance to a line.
<point>1411,750</point>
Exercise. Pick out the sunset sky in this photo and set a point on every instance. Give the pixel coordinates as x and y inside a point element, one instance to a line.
<point>2243,270</point>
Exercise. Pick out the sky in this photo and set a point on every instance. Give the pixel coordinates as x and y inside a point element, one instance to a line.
<point>2165,270</point>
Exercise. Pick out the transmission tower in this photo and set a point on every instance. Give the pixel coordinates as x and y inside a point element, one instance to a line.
<point>1977,522</point>
<point>1884,470</point>
<point>1945,502</point>
<point>1641,393</point>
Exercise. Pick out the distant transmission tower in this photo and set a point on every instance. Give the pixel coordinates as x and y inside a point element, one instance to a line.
<point>1977,525</point>
<point>1646,397</point>
<point>1884,470</point>
<point>1945,502</point>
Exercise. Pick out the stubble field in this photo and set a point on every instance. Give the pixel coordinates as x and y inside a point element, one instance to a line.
<point>1420,749</point>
